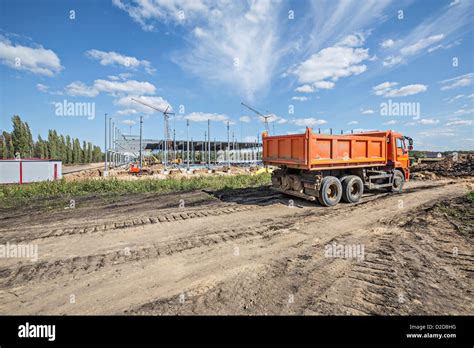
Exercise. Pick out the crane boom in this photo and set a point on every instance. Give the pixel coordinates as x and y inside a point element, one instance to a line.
<point>167,140</point>
<point>265,117</point>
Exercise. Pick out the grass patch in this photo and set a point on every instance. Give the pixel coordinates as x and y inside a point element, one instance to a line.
<point>11,195</point>
<point>470,196</point>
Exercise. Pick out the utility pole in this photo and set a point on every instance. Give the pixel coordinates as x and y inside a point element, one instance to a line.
<point>110,142</point>
<point>113,143</point>
<point>174,144</point>
<point>141,155</point>
<point>105,144</point>
<point>209,144</point>
<point>228,144</point>
<point>187,141</point>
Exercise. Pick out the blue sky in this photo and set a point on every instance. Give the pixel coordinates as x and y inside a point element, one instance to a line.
<point>323,64</point>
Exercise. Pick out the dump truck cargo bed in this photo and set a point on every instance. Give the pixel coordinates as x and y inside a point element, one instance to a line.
<point>311,151</point>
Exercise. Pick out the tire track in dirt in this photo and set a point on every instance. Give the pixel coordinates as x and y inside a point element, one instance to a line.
<point>49,270</point>
<point>283,255</point>
<point>388,282</point>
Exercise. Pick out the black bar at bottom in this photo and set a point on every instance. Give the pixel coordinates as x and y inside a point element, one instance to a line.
<point>415,330</point>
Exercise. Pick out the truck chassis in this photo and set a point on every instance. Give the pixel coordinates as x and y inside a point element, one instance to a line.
<point>329,187</point>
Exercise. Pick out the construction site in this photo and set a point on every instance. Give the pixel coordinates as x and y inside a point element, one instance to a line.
<point>285,247</point>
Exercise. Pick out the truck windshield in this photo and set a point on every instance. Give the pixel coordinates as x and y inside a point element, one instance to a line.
<point>401,145</point>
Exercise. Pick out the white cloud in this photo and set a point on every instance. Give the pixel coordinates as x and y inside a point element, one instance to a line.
<point>367,111</point>
<point>305,89</point>
<point>464,111</point>
<point>37,60</point>
<point>428,121</point>
<point>300,98</point>
<point>238,45</point>
<point>324,68</point>
<point>457,82</point>
<point>421,45</point>
<point>245,119</point>
<point>127,112</point>
<point>391,122</point>
<point>324,19</point>
<point>387,43</point>
<point>324,84</point>
<point>353,122</point>
<point>146,12</point>
<point>460,123</point>
<point>426,36</point>
<point>382,87</point>
<point>444,47</point>
<point>79,89</point>
<point>204,117</point>
<point>454,3</point>
<point>391,61</point>
<point>112,87</point>
<point>127,104</point>
<point>308,122</point>
<point>386,90</point>
<point>42,88</point>
<point>353,40</point>
<point>128,87</point>
<point>453,99</point>
<point>114,58</point>
<point>129,122</point>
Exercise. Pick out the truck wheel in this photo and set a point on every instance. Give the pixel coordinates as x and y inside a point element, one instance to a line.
<point>352,189</point>
<point>398,181</point>
<point>330,191</point>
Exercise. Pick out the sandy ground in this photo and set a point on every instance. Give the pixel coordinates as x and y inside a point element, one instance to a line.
<point>78,167</point>
<point>250,251</point>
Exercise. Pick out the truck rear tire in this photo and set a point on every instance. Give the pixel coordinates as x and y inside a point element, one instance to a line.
<point>352,189</point>
<point>398,181</point>
<point>330,191</point>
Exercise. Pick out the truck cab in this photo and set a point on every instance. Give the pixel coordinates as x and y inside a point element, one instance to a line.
<point>398,152</point>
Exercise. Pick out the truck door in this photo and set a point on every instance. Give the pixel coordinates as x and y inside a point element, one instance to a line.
<point>402,152</point>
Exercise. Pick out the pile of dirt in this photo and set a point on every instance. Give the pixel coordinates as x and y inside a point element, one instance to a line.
<point>448,167</point>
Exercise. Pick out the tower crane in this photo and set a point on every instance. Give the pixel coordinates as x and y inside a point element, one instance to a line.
<point>265,117</point>
<point>166,114</point>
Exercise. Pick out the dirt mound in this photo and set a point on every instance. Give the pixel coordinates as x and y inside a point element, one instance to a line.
<point>448,167</point>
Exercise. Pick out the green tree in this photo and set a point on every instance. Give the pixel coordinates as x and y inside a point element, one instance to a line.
<point>63,150</point>
<point>40,148</point>
<point>9,149</point>
<point>29,139</point>
<point>84,152</point>
<point>20,138</point>
<point>97,154</point>
<point>89,152</point>
<point>68,149</point>
<point>76,151</point>
<point>52,145</point>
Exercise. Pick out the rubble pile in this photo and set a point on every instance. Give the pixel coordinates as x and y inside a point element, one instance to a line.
<point>448,167</point>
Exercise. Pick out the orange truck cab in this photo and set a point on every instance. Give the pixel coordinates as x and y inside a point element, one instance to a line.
<point>329,168</point>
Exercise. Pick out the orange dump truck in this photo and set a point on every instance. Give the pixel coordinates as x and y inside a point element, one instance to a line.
<point>329,168</point>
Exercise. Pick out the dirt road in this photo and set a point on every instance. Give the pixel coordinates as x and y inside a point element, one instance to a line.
<point>248,251</point>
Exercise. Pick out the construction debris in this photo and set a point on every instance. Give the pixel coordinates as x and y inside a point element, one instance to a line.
<point>448,167</point>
